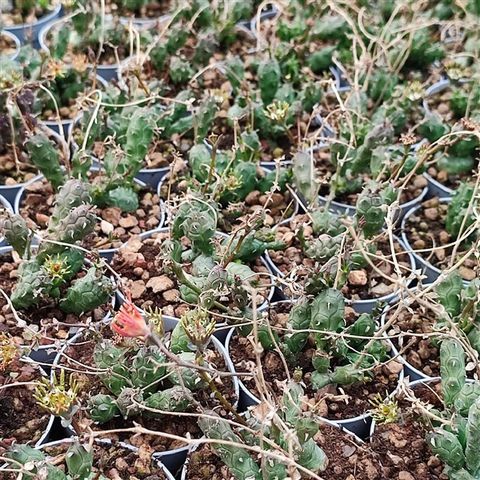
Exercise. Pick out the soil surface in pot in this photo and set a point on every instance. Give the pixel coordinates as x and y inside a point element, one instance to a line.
<point>112,461</point>
<point>326,169</point>
<point>402,446</point>
<point>347,459</point>
<point>426,229</point>
<point>334,403</point>
<point>116,226</point>
<point>449,180</point>
<point>269,209</point>
<point>139,263</point>
<point>420,350</point>
<point>421,353</point>
<point>7,45</point>
<point>362,284</point>
<point>175,424</point>
<point>21,419</point>
<point>45,323</point>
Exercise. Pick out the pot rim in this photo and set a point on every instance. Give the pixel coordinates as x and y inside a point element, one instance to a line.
<point>16,41</point>
<point>40,22</point>
<point>447,191</point>
<point>66,122</point>
<point>42,40</point>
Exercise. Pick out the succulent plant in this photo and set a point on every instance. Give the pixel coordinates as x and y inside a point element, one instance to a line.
<point>243,465</point>
<point>458,219</point>
<point>78,461</point>
<point>461,303</point>
<point>455,443</point>
<point>315,319</point>
<point>141,380</point>
<point>48,271</point>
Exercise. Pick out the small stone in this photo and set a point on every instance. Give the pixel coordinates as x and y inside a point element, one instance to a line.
<point>112,215</point>
<point>128,222</point>
<point>64,112</point>
<point>137,289</point>
<point>431,214</point>
<point>466,273</point>
<point>171,295</point>
<point>41,219</point>
<point>403,475</point>
<point>443,108</point>
<point>348,450</point>
<point>440,253</point>
<point>138,271</point>
<point>381,289</point>
<point>434,462</point>
<point>393,367</point>
<point>106,227</point>
<point>152,222</point>
<point>252,198</point>
<point>444,237</point>
<point>419,244</point>
<point>160,284</point>
<point>358,277</point>
<point>420,181</point>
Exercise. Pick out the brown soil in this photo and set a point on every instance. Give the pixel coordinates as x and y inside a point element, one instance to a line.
<point>421,353</point>
<point>426,229</point>
<point>361,284</point>
<point>401,446</point>
<point>212,79</point>
<point>204,464</point>
<point>304,132</point>
<point>46,323</point>
<point>326,169</point>
<point>7,45</point>
<point>37,206</point>
<point>440,102</point>
<point>446,179</point>
<point>175,424</point>
<point>113,462</point>
<point>142,268</point>
<point>332,402</point>
<point>21,419</point>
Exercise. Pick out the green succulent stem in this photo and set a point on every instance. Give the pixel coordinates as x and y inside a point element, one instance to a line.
<point>182,278</point>
<point>218,394</point>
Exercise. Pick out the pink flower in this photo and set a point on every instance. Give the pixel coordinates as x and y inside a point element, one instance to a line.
<point>129,322</point>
